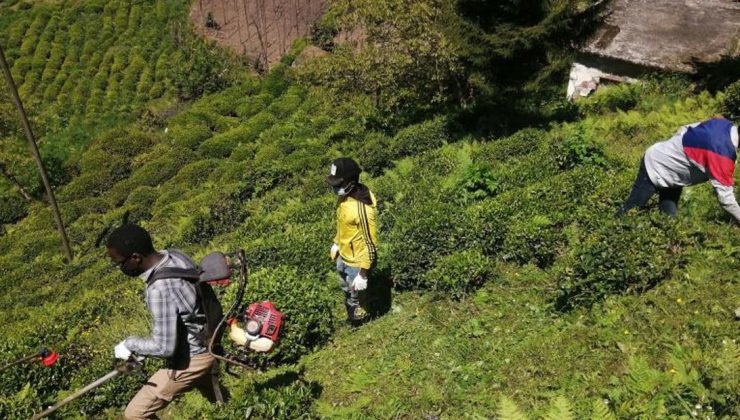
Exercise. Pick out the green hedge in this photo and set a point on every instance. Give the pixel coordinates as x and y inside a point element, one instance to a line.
<point>621,255</point>
<point>420,235</point>
<point>459,274</point>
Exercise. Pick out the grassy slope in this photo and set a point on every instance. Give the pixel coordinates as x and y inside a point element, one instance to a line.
<point>653,354</point>
<point>244,168</point>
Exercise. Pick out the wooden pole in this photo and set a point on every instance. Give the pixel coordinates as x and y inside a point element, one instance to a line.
<point>36,155</point>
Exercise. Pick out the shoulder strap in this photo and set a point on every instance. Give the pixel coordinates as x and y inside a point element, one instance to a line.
<point>175,273</point>
<point>192,273</point>
<point>182,255</point>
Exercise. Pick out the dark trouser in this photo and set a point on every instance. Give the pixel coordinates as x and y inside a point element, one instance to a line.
<point>643,189</point>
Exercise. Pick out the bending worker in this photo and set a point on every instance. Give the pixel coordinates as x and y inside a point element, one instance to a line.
<point>355,244</point>
<point>177,330</point>
<point>699,152</point>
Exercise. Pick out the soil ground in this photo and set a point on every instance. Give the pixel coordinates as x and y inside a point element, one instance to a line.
<point>260,29</point>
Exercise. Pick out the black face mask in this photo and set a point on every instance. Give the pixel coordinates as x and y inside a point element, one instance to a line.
<point>130,267</point>
<point>132,271</point>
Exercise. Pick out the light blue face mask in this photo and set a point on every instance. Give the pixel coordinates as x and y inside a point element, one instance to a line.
<point>343,191</point>
<point>340,191</point>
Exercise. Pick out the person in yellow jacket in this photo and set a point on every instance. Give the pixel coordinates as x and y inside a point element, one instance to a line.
<point>355,245</point>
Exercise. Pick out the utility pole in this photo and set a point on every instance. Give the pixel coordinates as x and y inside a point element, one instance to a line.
<point>36,155</point>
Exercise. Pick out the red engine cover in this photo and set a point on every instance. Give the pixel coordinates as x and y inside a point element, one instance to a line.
<point>269,318</point>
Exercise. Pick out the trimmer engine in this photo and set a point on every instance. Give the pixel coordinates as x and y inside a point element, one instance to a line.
<point>263,320</point>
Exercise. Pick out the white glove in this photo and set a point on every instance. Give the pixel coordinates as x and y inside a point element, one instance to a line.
<point>121,351</point>
<point>261,345</point>
<point>334,251</point>
<point>359,282</point>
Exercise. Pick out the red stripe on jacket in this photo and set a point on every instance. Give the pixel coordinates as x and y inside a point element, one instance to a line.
<point>719,167</point>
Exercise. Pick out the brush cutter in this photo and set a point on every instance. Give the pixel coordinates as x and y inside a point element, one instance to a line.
<point>127,367</point>
<point>45,356</point>
<point>261,320</point>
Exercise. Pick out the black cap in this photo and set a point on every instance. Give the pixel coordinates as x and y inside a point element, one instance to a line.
<point>343,169</point>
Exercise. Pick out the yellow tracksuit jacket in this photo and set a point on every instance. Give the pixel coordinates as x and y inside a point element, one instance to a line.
<point>357,236</point>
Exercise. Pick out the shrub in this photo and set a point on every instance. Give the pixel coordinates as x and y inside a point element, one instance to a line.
<point>152,173</point>
<point>625,255</point>
<point>71,211</point>
<point>286,395</point>
<point>252,105</point>
<point>477,182</point>
<point>86,185</point>
<point>420,235</point>
<point>485,225</point>
<point>194,173</point>
<point>221,145</point>
<point>521,143</point>
<point>300,245</point>
<point>190,135</point>
<point>140,202</point>
<point>418,138</point>
<point>102,163</point>
<point>375,151</point>
<point>578,149</point>
<point>286,104</point>
<point>623,97</point>
<point>731,102</point>
<point>532,240</point>
<point>460,273</point>
<point>12,208</point>
<point>220,213</point>
<point>201,68</point>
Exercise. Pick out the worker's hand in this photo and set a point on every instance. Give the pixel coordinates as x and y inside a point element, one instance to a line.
<point>261,345</point>
<point>334,251</point>
<point>121,351</point>
<point>360,282</point>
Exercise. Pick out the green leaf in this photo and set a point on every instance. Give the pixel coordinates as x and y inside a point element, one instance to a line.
<point>600,411</point>
<point>560,409</point>
<point>508,410</point>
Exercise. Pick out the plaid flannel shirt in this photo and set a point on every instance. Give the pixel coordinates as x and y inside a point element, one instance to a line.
<point>169,300</point>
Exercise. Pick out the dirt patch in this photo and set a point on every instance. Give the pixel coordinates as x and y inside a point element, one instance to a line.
<point>260,29</point>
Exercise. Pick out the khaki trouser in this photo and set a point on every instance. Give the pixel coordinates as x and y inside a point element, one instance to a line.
<point>166,384</point>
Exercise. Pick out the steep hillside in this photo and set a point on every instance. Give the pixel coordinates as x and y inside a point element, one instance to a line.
<point>552,331</point>
<point>83,66</point>
<point>516,290</point>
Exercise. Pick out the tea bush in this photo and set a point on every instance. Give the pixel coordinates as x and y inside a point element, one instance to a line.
<point>190,135</point>
<point>459,274</point>
<point>521,143</point>
<point>420,235</point>
<point>621,97</point>
<point>418,138</point>
<point>12,209</point>
<point>578,149</point>
<point>620,256</point>
<point>244,167</point>
<point>535,240</point>
<point>730,106</point>
<point>285,395</point>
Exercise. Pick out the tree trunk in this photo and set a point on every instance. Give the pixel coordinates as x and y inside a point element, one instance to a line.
<point>10,178</point>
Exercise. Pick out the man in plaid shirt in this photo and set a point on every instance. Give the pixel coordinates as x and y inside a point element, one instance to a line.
<point>178,330</point>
